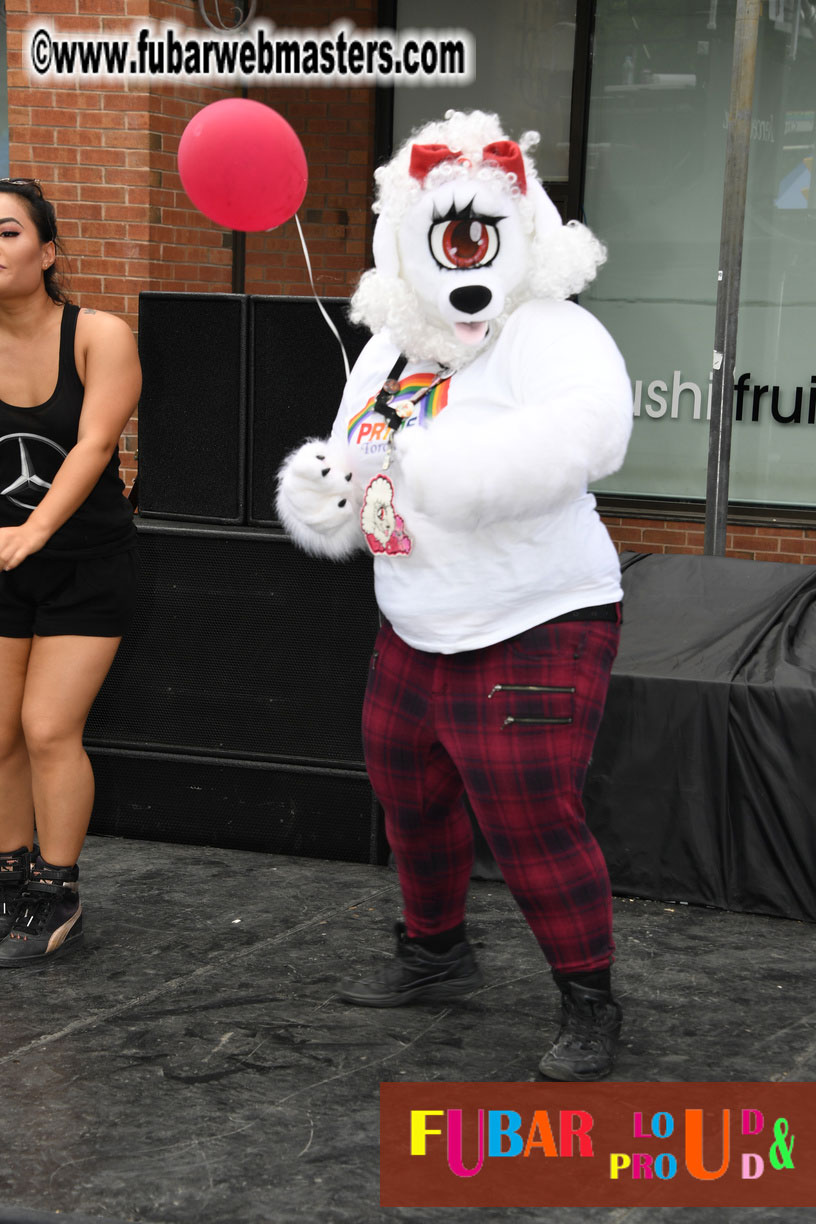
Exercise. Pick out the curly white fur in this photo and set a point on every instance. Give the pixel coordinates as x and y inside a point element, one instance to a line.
<point>563,259</point>
<point>390,302</point>
<point>465,132</point>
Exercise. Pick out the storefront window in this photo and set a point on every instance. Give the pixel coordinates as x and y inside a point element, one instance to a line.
<point>654,187</point>
<point>524,56</point>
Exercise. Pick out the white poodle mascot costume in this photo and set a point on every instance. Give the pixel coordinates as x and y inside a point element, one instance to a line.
<point>469,429</point>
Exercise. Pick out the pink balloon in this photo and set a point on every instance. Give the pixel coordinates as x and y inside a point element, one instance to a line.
<point>242,165</point>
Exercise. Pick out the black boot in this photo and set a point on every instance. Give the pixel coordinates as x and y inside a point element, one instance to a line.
<point>15,868</point>
<point>49,917</point>
<point>586,1042</point>
<point>416,974</point>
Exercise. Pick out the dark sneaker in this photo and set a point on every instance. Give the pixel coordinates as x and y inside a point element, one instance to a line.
<point>590,1025</point>
<point>416,975</point>
<point>48,920</point>
<point>15,869</point>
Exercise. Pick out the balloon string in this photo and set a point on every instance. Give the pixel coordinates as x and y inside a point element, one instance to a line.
<point>317,299</point>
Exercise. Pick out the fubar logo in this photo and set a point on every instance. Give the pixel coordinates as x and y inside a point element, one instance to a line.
<point>598,1145</point>
<point>504,1135</point>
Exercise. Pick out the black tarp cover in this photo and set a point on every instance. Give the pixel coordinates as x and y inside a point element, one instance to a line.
<point>702,787</point>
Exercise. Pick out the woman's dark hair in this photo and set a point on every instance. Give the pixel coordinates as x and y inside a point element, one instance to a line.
<point>41,212</point>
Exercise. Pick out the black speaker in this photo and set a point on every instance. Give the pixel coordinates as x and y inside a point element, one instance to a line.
<point>237,805</point>
<point>231,715</point>
<point>192,412</point>
<point>296,384</point>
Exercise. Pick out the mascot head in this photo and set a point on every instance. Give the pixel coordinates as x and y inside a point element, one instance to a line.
<point>465,234</point>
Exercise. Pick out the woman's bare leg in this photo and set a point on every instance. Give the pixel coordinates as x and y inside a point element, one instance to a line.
<point>64,675</point>
<point>16,803</point>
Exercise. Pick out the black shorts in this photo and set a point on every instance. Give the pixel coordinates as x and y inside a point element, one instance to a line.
<point>47,596</point>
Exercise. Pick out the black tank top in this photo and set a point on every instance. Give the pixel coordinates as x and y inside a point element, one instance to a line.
<point>33,444</point>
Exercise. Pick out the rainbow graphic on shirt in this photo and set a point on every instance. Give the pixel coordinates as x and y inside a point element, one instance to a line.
<point>370,423</point>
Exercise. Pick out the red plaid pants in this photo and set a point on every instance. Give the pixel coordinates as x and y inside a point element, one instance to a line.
<point>512,726</point>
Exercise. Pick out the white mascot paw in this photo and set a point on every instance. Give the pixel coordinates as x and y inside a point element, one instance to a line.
<point>316,502</point>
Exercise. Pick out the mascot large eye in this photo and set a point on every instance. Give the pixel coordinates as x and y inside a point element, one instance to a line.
<point>464,243</point>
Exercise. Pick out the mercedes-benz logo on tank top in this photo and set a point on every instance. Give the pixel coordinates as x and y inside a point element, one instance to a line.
<point>28,464</point>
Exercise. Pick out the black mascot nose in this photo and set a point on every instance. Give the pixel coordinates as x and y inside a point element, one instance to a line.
<point>470,298</point>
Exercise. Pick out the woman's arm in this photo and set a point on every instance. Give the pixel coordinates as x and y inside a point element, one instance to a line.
<point>113,383</point>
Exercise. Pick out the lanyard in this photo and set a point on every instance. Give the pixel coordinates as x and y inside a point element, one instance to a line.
<point>396,417</point>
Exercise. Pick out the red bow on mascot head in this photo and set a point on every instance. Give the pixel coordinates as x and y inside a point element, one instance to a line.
<point>505,154</point>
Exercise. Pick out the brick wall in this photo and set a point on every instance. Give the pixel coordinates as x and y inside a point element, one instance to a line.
<point>796,545</point>
<point>99,149</point>
<point>336,127</point>
<point>186,252</point>
<point>106,153</point>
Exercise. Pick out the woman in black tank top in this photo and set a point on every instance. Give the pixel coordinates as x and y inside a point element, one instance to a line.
<point>69,382</point>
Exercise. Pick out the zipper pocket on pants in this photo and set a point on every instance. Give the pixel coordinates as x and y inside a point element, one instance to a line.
<point>530,688</point>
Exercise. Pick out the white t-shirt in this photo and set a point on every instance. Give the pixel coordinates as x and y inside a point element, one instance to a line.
<point>501,532</point>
